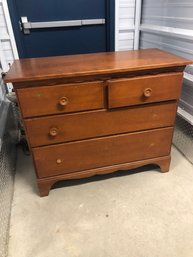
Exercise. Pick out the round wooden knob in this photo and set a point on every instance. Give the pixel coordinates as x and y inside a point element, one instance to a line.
<point>53,132</point>
<point>147,92</point>
<point>63,101</point>
<point>58,161</point>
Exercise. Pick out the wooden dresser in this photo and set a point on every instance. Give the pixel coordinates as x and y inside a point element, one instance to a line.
<point>98,113</point>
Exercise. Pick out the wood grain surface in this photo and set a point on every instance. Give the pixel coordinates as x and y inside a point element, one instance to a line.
<point>45,100</point>
<point>92,124</point>
<point>98,113</point>
<point>126,92</point>
<point>99,152</point>
<point>47,68</point>
<point>45,184</point>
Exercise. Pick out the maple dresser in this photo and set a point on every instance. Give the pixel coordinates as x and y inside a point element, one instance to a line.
<point>98,113</point>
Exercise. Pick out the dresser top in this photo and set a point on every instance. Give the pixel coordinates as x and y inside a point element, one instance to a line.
<point>36,69</point>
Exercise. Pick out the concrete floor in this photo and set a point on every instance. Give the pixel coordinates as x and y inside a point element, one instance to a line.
<point>144,214</point>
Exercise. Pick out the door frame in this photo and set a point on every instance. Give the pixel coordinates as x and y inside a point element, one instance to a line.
<point>110,20</point>
<point>110,25</point>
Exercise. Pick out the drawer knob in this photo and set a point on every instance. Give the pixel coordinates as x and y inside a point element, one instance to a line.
<point>53,132</point>
<point>63,101</point>
<point>147,92</point>
<point>58,161</point>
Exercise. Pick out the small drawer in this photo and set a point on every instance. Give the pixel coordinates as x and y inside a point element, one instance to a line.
<point>45,100</point>
<point>101,152</point>
<point>84,125</point>
<point>146,89</point>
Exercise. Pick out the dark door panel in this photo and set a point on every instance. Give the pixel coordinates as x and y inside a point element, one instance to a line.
<point>65,40</point>
<point>47,10</point>
<point>49,42</point>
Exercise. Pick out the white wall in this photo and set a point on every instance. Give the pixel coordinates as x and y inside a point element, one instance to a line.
<point>125,24</point>
<point>8,50</point>
<point>168,25</point>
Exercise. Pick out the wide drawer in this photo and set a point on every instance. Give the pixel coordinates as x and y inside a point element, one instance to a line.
<point>69,127</point>
<point>93,153</point>
<point>145,89</point>
<point>46,100</point>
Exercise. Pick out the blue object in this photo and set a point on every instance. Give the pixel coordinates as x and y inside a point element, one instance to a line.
<point>65,40</point>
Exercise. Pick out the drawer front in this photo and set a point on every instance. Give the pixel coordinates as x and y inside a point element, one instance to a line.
<point>146,89</point>
<point>101,152</point>
<point>69,127</point>
<point>45,100</point>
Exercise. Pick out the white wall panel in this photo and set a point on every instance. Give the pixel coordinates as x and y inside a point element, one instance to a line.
<point>3,28</point>
<point>8,50</point>
<point>179,46</point>
<point>125,24</point>
<point>168,24</point>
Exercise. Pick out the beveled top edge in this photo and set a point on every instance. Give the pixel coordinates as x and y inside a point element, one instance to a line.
<point>45,68</point>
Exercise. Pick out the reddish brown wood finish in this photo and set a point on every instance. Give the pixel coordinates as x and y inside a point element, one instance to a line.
<point>36,69</point>
<point>45,100</point>
<point>45,184</point>
<point>95,153</point>
<point>145,89</point>
<point>92,124</point>
<point>93,138</point>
